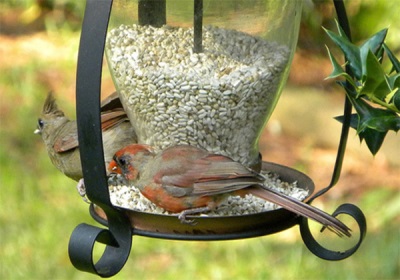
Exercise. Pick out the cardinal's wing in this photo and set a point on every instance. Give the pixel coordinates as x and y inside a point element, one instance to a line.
<point>201,173</point>
<point>68,138</point>
<point>112,118</point>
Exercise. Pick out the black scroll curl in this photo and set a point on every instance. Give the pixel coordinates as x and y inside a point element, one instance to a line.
<point>326,254</point>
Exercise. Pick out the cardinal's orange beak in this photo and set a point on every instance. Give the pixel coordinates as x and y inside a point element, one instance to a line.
<point>114,168</point>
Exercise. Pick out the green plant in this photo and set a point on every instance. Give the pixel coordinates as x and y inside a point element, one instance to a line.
<point>373,92</point>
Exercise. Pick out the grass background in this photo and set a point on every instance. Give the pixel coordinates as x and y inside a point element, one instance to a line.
<point>40,207</point>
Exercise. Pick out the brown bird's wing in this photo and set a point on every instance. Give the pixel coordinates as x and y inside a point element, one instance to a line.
<point>68,138</point>
<point>69,141</point>
<point>112,118</point>
<point>66,143</point>
<point>112,114</point>
<point>224,175</point>
<point>202,173</point>
<point>111,102</point>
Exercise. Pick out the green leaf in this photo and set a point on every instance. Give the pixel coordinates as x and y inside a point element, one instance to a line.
<point>390,99</point>
<point>394,81</point>
<point>375,118</point>
<point>380,54</point>
<point>354,119</point>
<point>374,94</point>
<point>384,123</point>
<point>349,88</point>
<point>340,30</point>
<point>393,59</point>
<point>396,99</point>
<point>351,53</point>
<point>394,96</point>
<point>375,84</point>
<point>373,138</point>
<point>373,44</point>
<point>338,70</point>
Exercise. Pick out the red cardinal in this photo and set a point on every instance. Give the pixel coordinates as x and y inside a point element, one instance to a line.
<point>187,180</point>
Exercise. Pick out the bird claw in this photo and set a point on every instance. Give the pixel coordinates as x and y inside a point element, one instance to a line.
<point>182,218</point>
<point>184,213</point>
<point>82,190</point>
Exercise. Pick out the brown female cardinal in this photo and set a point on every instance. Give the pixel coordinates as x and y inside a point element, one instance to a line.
<point>185,179</point>
<point>60,135</point>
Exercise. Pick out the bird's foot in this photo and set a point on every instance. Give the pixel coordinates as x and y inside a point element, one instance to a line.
<point>184,213</point>
<point>82,190</point>
<point>182,218</point>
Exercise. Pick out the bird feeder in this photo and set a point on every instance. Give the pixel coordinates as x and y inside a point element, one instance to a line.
<point>201,73</point>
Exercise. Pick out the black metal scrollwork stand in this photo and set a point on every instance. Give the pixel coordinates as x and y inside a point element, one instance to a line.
<point>118,236</point>
<point>348,209</point>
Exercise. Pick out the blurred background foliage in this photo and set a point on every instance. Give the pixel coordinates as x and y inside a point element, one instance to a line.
<point>40,208</point>
<point>366,17</point>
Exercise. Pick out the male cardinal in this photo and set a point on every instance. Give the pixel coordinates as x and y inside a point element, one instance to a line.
<point>60,135</point>
<point>185,179</point>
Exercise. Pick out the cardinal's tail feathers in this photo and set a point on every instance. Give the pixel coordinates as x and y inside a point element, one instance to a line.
<point>302,209</point>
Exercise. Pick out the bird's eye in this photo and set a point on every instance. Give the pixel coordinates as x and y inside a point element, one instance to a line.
<point>121,161</point>
<point>40,123</point>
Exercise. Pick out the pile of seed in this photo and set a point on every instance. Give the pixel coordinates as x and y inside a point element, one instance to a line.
<point>218,100</point>
<point>130,197</point>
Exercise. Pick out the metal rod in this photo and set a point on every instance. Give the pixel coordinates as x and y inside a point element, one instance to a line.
<point>152,12</point>
<point>344,24</point>
<point>198,26</point>
<point>118,238</point>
